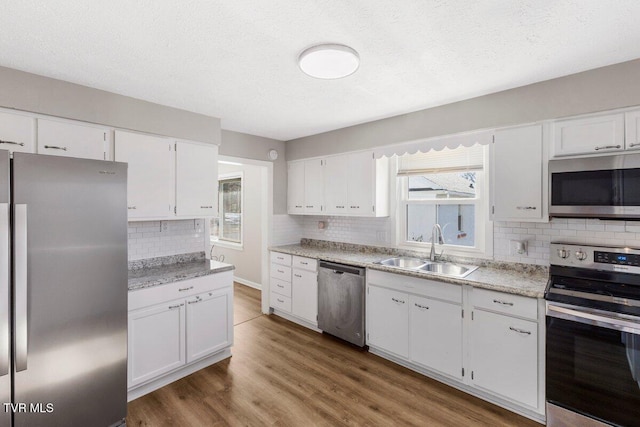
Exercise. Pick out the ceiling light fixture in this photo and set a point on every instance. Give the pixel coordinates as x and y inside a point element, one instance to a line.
<point>329,61</point>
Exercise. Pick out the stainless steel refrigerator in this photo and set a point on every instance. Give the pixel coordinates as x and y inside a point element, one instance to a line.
<point>63,284</point>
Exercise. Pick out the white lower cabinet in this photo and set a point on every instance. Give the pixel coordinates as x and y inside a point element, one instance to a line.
<point>436,335</point>
<point>304,295</point>
<point>156,341</point>
<point>178,328</point>
<point>388,320</point>
<point>486,343</point>
<point>504,356</point>
<point>294,288</point>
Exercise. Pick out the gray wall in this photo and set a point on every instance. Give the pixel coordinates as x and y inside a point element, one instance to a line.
<point>38,94</point>
<point>236,144</point>
<point>605,88</point>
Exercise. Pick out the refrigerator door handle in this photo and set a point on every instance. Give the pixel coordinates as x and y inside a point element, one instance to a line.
<point>21,296</point>
<point>5,344</point>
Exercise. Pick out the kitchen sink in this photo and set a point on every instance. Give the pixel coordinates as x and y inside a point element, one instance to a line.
<point>429,267</point>
<point>447,269</point>
<point>404,262</point>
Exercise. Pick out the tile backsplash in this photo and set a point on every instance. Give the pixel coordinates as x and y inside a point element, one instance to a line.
<point>150,239</point>
<point>363,231</point>
<point>286,229</point>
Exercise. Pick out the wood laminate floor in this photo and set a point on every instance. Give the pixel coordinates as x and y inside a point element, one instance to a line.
<point>285,375</point>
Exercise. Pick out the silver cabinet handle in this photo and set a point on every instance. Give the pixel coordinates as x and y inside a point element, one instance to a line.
<point>526,208</point>
<point>424,307</point>
<point>497,301</point>
<point>5,346</point>
<point>131,207</point>
<point>206,207</point>
<point>297,275</point>
<point>55,147</point>
<point>21,280</point>
<point>280,286</point>
<point>339,207</point>
<point>304,263</point>
<point>355,207</point>
<point>397,300</point>
<point>280,300</point>
<point>195,302</point>
<point>280,258</point>
<point>21,144</point>
<point>280,271</point>
<point>635,144</point>
<point>298,206</point>
<point>604,147</point>
<point>309,206</point>
<point>173,307</point>
<point>520,331</point>
<point>185,289</point>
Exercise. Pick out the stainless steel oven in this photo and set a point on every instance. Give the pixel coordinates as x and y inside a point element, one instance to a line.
<point>593,336</point>
<point>595,187</point>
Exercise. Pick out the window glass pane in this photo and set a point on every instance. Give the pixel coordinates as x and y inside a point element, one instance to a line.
<point>443,185</point>
<point>457,222</point>
<point>231,212</point>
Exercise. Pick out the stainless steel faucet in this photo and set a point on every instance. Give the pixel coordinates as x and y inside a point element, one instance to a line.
<point>435,230</point>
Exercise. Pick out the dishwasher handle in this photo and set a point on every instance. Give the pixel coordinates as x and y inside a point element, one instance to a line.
<point>341,269</point>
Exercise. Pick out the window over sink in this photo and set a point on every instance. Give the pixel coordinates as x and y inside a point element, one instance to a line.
<point>448,188</point>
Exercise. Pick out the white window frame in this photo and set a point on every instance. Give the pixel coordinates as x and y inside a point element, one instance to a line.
<point>228,243</point>
<point>483,226</point>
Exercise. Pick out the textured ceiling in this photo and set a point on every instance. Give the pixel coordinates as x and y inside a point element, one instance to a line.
<point>236,59</point>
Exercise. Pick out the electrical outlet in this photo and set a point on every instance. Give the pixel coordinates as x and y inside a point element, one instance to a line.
<point>518,247</point>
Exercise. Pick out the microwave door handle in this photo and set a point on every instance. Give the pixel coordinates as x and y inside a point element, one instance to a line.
<point>590,318</point>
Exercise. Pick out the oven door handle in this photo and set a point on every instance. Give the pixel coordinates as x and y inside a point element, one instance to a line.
<point>591,318</point>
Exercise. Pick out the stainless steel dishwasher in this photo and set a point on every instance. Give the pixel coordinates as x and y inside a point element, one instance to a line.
<point>341,301</point>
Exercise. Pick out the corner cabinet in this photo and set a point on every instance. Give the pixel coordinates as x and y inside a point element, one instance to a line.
<point>168,179</point>
<point>178,328</point>
<point>352,184</point>
<point>519,175</point>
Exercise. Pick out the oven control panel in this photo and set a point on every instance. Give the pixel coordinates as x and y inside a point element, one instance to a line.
<point>622,259</point>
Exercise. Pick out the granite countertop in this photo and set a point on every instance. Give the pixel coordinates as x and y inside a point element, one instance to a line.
<point>160,271</point>
<point>519,279</point>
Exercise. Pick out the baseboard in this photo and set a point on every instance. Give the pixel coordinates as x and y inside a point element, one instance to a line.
<point>142,389</point>
<point>248,283</point>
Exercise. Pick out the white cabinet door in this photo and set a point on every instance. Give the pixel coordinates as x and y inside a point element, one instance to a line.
<point>17,133</point>
<point>150,191</point>
<point>295,190</point>
<point>196,179</point>
<point>590,135</point>
<point>361,184</point>
<point>156,341</point>
<point>632,130</point>
<point>313,186</point>
<point>388,320</point>
<point>504,356</point>
<point>517,174</point>
<point>436,335</point>
<point>209,323</point>
<point>335,184</point>
<point>304,295</point>
<point>72,140</point>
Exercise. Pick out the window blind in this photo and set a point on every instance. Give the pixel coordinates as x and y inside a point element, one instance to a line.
<point>445,160</point>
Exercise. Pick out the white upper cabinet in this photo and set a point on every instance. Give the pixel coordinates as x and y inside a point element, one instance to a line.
<point>150,183</point>
<point>196,179</point>
<point>17,133</point>
<point>335,183</point>
<point>590,135</point>
<point>518,175</point>
<point>67,139</point>
<point>313,186</point>
<point>361,184</point>
<point>632,130</point>
<point>295,189</point>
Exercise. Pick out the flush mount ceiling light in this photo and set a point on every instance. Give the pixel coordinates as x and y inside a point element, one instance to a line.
<point>329,61</point>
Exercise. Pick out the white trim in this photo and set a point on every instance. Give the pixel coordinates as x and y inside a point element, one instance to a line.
<point>226,244</point>
<point>248,283</point>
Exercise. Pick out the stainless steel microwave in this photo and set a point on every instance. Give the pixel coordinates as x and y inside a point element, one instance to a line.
<point>595,187</point>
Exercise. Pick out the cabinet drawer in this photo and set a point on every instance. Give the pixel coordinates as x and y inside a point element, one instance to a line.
<point>424,287</point>
<point>281,287</point>
<point>185,288</point>
<point>282,259</point>
<point>305,263</point>
<point>280,302</point>
<point>500,302</point>
<point>281,272</point>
